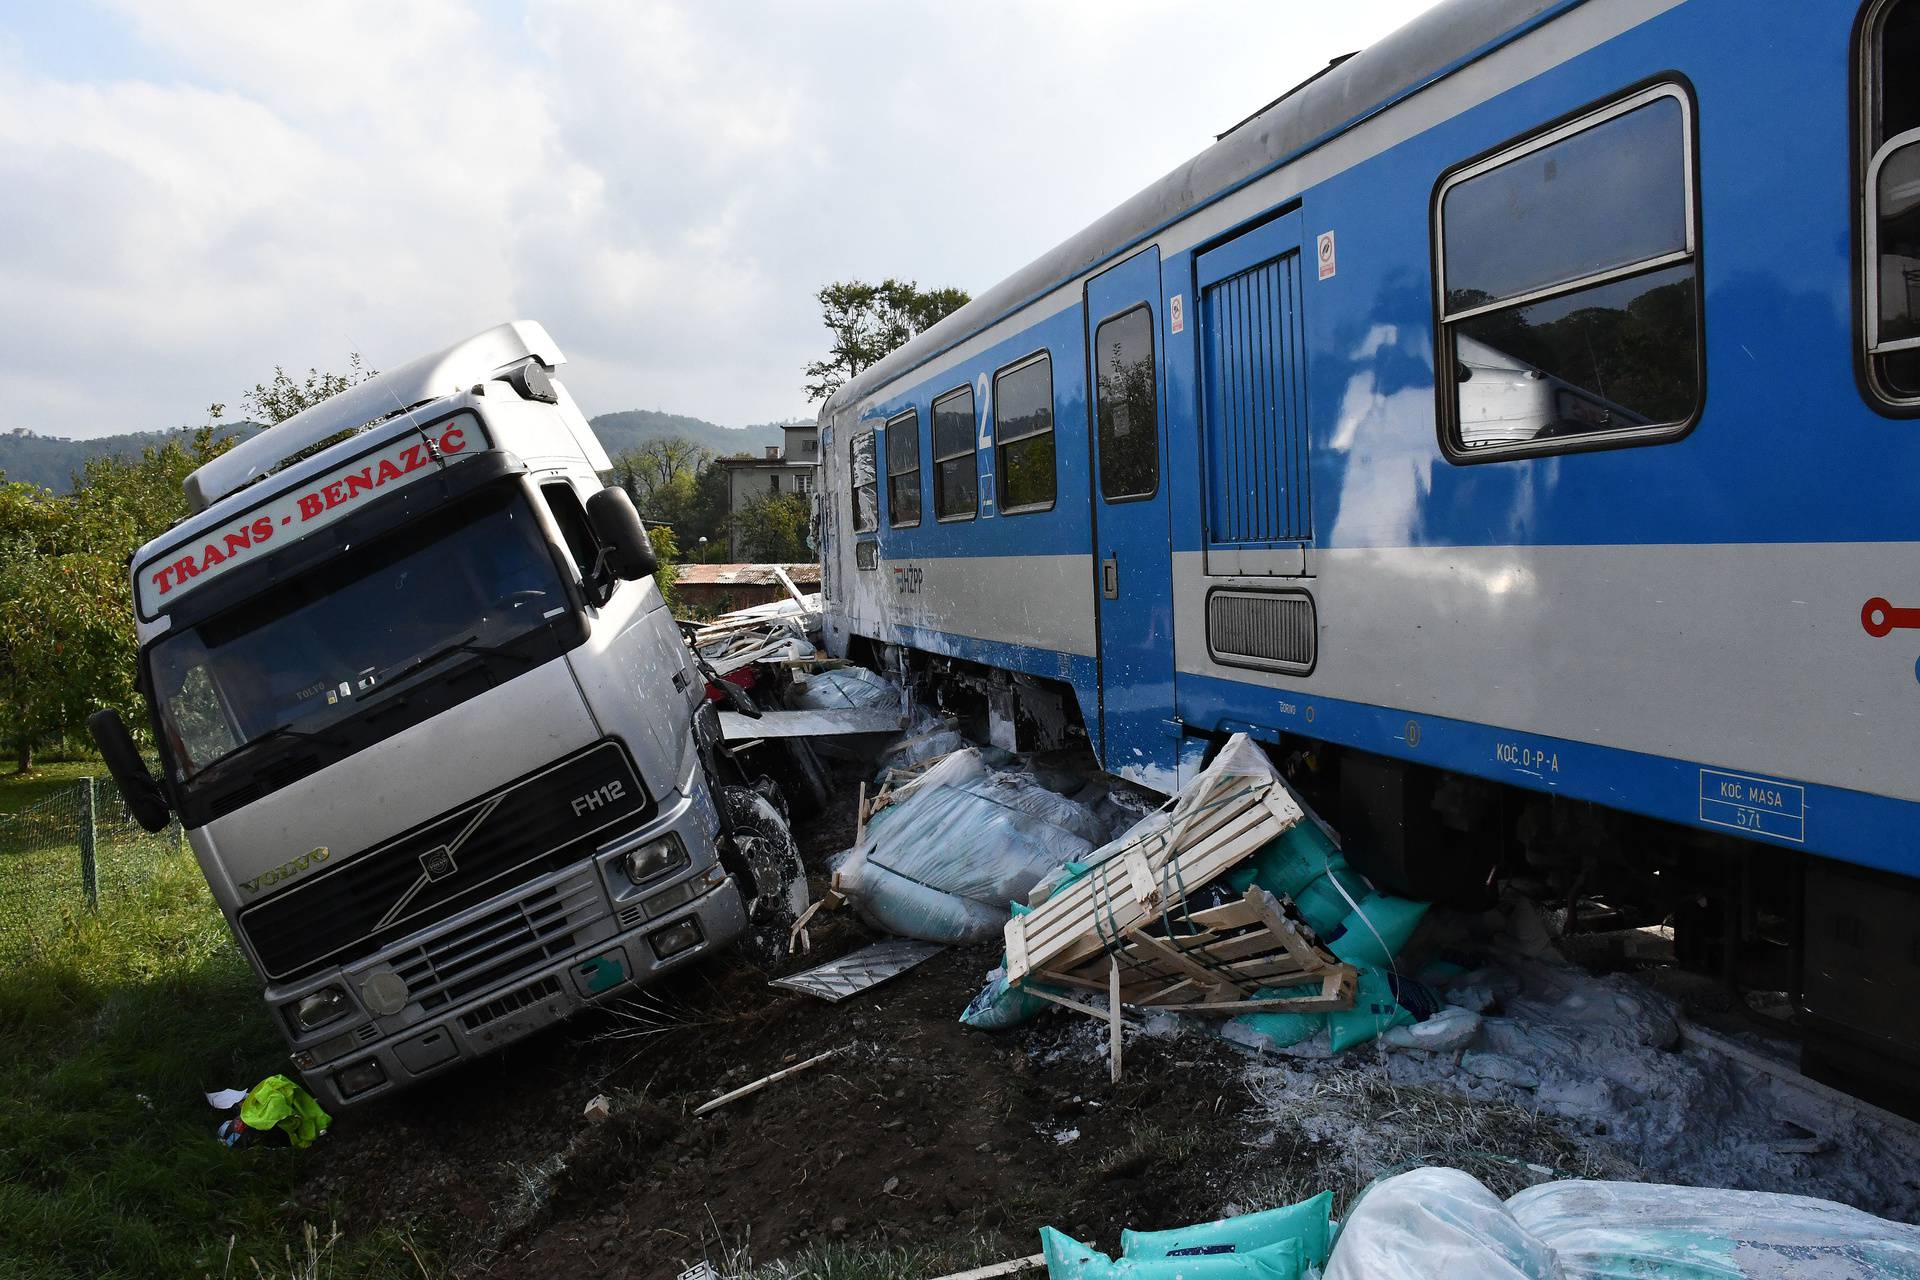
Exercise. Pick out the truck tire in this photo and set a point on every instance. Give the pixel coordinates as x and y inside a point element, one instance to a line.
<point>773,876</point>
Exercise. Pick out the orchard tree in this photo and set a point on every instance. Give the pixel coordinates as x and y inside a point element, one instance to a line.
<point>67,641</point>
<point>869,320</point>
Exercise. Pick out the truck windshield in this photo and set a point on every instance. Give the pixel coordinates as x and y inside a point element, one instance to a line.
<point>317,650</point>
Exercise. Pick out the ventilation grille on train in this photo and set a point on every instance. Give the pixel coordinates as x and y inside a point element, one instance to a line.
<point>1271,629</point>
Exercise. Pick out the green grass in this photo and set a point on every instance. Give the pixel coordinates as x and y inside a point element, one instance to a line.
<point>18,790</point>
<point>108,1161</point>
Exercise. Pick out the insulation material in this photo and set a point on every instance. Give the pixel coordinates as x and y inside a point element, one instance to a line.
<point>944,864</point>
<point>1443,1222</point>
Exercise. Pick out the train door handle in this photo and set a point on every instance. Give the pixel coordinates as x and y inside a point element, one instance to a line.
<point>1110,577</point>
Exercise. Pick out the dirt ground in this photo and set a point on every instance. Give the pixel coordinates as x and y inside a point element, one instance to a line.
<point>920,1134</point>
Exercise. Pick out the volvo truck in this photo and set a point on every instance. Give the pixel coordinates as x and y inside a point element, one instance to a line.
<point>438,745</point>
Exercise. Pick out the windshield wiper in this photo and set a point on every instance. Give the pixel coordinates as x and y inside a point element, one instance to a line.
<point>470,645</point>
<point>279,731</point>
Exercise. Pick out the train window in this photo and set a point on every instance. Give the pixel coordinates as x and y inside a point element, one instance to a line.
<point>1127,413</point>
<point>866,488</point>
<point>903,469</point>
<point>956,478</point>
<point>1569,285</point>
<point>1891,216</point>
<point>1023,435</point>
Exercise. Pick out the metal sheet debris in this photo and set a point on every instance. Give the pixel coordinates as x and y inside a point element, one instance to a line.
<point>809,724</point>
<point>858,970</point>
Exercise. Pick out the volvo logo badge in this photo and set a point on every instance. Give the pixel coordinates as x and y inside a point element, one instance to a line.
<point>438,863</point>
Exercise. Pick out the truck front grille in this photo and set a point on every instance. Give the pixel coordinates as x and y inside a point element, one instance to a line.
<point>542,823</point>
<point>494,1010</point>
<point>500,944</point>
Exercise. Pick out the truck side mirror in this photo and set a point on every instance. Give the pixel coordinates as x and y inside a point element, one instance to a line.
<point>145,801</point>
<point>617,527</point>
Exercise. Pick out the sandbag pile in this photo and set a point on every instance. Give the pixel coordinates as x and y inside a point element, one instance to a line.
<point>1442,1222</point>
<point>1276,1244</point>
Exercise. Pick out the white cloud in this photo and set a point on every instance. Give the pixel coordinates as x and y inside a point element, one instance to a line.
<point>665,185</point>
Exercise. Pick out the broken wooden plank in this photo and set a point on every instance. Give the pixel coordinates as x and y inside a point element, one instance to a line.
<point>1336,994</point>
<point>1114,1030</point>
<point>764,1081</point>
<point>1036,1263</point>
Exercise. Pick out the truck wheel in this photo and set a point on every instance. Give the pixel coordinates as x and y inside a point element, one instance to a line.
<point>773,876</point>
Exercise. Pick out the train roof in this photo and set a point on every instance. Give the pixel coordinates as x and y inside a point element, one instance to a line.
<point>1426,49</point>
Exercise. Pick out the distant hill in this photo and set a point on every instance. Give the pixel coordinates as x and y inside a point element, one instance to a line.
<point>52,463</point>
<point>631,428</point>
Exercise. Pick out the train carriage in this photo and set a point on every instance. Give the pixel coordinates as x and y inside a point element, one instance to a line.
<point>1515,425</point>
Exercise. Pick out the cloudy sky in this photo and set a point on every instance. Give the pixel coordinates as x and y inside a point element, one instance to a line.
<point>198,190</point>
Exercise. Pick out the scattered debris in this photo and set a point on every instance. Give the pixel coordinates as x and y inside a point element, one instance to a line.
<point>276,1108</point>
<point>764,1081</point>
<point>1135,923</point>
<point>855,972</point>
<point>738,728</point>
<point>599,1107</point>
<point>777,632</point>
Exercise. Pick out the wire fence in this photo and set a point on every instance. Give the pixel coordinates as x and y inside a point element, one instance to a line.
<point>75,852</point>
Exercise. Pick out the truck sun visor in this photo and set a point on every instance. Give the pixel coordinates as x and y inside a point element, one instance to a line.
<point>311,505</point>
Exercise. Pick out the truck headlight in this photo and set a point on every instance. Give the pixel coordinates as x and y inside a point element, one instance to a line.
<point>654,859</point>
<point>320,1008</point>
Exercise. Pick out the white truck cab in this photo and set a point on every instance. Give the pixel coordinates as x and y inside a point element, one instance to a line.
<point>427,720</point>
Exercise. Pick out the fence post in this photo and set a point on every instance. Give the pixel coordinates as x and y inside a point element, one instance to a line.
<point>89,862</point>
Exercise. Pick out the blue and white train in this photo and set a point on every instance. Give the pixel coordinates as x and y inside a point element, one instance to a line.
<point>1517,425</point>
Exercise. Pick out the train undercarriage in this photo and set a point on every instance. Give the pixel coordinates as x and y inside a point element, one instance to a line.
<point>1803,946</point>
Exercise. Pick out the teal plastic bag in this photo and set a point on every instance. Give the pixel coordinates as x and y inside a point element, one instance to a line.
<point>1374,934</point>
<point>1291,861</point>
<point>1000,1007</point>
<point>1308,1223</point>
<point>1322,904</point>
<point>1374,1012</point>
<point>1068,1259</point>
<point>1281,1030</point>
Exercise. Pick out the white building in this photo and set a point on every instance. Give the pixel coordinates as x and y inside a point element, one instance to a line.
<point>788,468</point>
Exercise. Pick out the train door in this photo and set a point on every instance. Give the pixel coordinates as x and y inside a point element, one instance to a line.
<point>1133,559</point>
<point>1253,396</point>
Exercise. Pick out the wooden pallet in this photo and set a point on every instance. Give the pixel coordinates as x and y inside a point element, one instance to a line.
<point>1124,930</point>
<point>1207,834</point>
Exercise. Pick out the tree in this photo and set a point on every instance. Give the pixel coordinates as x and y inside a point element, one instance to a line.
<point>869,320</point>
<point>773,529</point>
<point>667,551</point>
<point>66,610</point>
<point>708,507</point>
<point>280,398</point>
<point>661,476</point>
